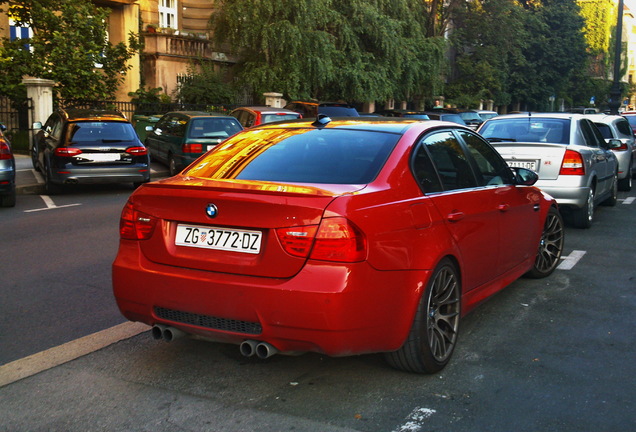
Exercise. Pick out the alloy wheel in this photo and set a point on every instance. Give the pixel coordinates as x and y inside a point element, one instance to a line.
<point>551,245</point>
<point>443,314</point>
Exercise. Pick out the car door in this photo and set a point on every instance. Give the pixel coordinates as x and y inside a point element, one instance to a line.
<point>50,139</point>
<point>469,212</point>
<point>155,137</point>
<point>515,205</point>
<point>603,162</point>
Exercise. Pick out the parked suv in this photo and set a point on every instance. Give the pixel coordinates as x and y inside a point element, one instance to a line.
<point>7,171</point>
<point>82,146</point>
<point>180,137</point>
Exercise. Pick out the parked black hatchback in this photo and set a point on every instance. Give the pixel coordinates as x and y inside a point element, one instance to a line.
<point>86,146</point>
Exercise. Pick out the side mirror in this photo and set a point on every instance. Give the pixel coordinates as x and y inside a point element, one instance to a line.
<point>37,125</point>
<point>615,143</point>
<point>525,177</point>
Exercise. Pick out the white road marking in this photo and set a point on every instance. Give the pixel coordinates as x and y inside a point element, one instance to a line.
<point>36,363</point>
<point>50,205</point>
<point>37,176</point>
<point>415,420</point>
<point>571,260</point>
<point>629,200</point>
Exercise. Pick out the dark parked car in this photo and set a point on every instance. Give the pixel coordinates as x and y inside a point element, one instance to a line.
<point>7,171</point>
<point>255,115</point>
<point>330,109</point>
<point>340,237</point>
<point>180,137</point>
<point>85,146</point>
<point>446,116</point>
<point>420,115</point>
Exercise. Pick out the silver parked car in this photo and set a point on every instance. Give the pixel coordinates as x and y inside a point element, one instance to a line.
<point>574,162</point>
<point>614,127</point>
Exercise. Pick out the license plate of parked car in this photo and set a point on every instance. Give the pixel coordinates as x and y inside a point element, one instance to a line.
<point>531,165</point>
<point>218,238</point>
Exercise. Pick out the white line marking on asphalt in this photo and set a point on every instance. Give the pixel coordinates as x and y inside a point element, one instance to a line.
<point>629,200</point>
<point>37,176</point>
<point>50,205</point>
<point>571,260</point>
<point>36,363</point>
<point>415,420</point>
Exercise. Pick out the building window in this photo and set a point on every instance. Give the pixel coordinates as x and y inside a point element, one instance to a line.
<point>168,13</point>
<point>19,32</point>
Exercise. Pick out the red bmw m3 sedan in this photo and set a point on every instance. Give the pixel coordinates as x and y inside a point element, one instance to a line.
<point>340,237</point>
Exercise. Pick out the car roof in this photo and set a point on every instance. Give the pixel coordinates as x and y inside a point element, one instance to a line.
<point>193,114</point>
<point>266,109</point>
<point>604,118</point>
<point>83,114</point>
<point>565,116</point>
<point>378,124</point>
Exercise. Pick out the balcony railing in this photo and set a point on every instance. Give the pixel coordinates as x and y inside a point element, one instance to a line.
<point>185,46</point>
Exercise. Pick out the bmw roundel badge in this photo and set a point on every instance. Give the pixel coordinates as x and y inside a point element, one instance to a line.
<point>211,210</point>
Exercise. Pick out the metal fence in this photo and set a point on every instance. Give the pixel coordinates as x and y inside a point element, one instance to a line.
<point>131,109</point>
<point>15,115</point>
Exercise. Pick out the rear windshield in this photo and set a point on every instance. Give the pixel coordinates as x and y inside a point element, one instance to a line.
<point>531,129</point>
<point>455,118</point>
<point>214,127</point>
<point>269,118</point>
<point>327,156</point>
<point>100,131</point>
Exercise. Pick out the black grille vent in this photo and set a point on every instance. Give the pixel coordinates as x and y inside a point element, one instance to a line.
<point>209,321</point>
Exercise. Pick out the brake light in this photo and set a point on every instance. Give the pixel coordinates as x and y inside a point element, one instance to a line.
<point>622,147</point>
<point>137,151</point>
<point>135,225</point>
<point>192,148</point>
<point>67,151</point>
<point>335,239</point>
<point>572,164</point>
<point>5,151</point>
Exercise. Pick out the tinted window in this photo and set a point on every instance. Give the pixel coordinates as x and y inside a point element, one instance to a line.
<point>623,127</point>
<point>450,161</point>
<point>589,133</point>
<point>269,118</point>
<point>605,130</point>
<point>210,127</point>
<point>425,172</point>
<point>332,156</point>
<point>492,169</point>
<point>455,118</point>
<point>100,132</point>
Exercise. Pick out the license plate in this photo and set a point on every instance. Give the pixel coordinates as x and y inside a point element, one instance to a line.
<point>99,157</point>
<point>531,165</point>
<point>208,237</point>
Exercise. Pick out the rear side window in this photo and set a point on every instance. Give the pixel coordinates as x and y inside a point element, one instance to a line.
<point>328,156</point>
<point>623,127</point>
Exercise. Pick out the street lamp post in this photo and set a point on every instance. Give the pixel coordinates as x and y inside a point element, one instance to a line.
<point>615,92</point>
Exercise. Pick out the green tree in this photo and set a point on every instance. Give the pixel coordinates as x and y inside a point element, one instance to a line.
<point>69,46</point>
<point>359,50</point>
<point>204,85</point>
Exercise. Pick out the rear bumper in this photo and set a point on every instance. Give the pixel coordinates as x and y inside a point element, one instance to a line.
<point>568,192</point>
<point>138,173</point>
<point>331,309</point>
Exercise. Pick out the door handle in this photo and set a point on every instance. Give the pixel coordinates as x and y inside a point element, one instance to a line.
<point>503,207</point>
<point>455,216</point>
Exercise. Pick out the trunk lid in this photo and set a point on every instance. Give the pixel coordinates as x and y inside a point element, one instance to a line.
<point>543,158</point>
<point>241,206</point>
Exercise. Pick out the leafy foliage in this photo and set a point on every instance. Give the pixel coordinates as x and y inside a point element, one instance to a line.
<point>69,46</point>
<point>203,85</point>
<point>324,49</point>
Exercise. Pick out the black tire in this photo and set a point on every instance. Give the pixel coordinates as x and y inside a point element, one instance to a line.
<point>550,246</point>
<point>626,183</point>
<point>172,166</point>
<point>9,199</point>
<point>433,335</point>
<point>582,218</point>
<point>50,187</point>
<point>613,198</point>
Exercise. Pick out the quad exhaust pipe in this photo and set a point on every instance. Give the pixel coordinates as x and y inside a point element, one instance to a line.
<point>261,350</point>
<point>166,333</point>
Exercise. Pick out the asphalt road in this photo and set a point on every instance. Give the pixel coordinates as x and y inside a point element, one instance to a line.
<point>554,354</point>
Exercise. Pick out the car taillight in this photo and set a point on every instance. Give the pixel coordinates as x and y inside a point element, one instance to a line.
<point>5,151</point>
<point>335,239</point>
<point>192,148</point>
<point>622,147</point>
<point>135,225</point>
<point>137,151</point>
<point>67,151</point>
<point>572,164</point>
